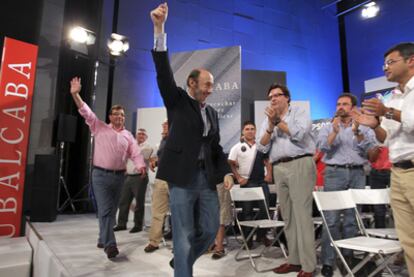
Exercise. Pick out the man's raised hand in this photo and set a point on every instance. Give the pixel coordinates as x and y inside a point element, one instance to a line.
<point>75,85</point>
<point>159,15</point>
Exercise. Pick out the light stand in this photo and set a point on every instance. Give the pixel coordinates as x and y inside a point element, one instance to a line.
<point>62,182</point>
<point>90,156</point>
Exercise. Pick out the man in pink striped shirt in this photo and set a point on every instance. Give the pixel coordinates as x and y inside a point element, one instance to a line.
<point>113,146</point>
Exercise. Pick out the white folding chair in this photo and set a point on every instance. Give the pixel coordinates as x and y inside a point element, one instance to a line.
<point>383,249</point>
<point>254,194</point>
<point>374,197</point>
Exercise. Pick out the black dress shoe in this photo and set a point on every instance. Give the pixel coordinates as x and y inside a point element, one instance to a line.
<point>172,263</point>
<point>119,228</point>
<point>150,248</point>
<point>100,245</point>
<point>327,270</point>
<point>135,229</point>
<point>111,251</point>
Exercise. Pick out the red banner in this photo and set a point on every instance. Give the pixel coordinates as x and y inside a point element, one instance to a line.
<point>17,76</point>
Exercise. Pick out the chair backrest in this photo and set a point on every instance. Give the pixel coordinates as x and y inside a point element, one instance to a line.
<point>371,196</point>
<point>333,200</point>
<point>247,194</point>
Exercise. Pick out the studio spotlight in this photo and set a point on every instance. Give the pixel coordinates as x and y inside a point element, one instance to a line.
<point>80,38</point>
<point>118,44</point>
<point>82,35</point>
<point>370,10</point>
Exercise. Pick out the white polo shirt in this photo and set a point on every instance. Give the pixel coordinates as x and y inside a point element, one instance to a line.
<point>244,155</point>
<point>400,135</point>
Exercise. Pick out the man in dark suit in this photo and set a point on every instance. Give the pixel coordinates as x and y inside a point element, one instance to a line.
<point>193,160</point>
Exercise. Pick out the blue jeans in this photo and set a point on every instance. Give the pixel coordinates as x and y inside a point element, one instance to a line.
<point>107,189</point>
<point>195,221</point>
<point>340,179</point>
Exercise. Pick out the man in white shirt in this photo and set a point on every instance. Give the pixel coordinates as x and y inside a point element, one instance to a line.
<point>247,165</point>
<point>135,185</point>
<point>396,130</point>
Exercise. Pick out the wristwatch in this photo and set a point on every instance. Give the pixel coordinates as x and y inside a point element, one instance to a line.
<point>389,114</point>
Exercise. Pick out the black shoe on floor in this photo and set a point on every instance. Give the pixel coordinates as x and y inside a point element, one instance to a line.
<point>327,270</point>
<point>111,251</point>
<point>119,228</point>
<point>150,248</point>
<point>135,229</point>
<point>100,245</point>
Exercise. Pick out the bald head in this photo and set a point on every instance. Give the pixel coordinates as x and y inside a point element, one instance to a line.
<point>200,84</point>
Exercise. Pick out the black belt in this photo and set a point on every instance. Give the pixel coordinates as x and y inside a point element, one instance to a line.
<point>113,171</point>
<point>289,159</point>
<point>347,166</point>
<point>404,164</point>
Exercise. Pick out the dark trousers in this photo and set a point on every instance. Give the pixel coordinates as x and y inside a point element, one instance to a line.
<point>379,179</point>
<point>134,186</point>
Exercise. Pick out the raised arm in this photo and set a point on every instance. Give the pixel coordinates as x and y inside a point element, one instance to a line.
<point>170,93</point>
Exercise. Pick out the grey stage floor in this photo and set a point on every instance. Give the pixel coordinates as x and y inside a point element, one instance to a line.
<point>72,238</point>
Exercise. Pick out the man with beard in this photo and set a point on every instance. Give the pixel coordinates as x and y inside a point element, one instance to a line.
<point>193,161</point>
<point>286,135</point>
<point>396,130</point>
<point>345,145</point>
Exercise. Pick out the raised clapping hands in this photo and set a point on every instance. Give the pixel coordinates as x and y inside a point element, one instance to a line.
<point>364,119</point>
<point>273,115</point>
<point>374,107</point>
<point>75,85</point>
<point>159,16</point>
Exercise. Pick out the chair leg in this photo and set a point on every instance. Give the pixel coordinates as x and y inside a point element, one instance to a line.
<point>367,258</point>
<point>338,252</point>
<point>384,264</point>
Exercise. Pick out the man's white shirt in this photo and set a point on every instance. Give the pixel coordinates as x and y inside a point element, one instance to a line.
<point>400,135</point>
<point>244,159</point>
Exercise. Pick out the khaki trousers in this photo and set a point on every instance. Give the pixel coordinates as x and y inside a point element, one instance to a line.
<point>159,209</point>
<point>402,203</point>
<point>296,180</point>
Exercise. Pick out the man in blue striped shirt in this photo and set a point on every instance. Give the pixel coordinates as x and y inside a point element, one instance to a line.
<point>345,145</point>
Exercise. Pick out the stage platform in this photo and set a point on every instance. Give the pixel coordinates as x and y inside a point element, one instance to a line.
<point>67,247</point>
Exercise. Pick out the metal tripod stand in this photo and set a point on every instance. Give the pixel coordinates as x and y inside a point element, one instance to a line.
<point>62,182</point>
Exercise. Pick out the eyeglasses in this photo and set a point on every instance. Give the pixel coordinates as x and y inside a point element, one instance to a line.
<point>390,62</point>
<point>118,114</point>
<point>276,95</point>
